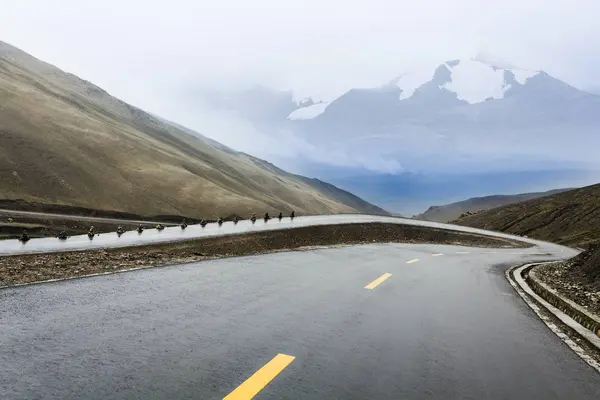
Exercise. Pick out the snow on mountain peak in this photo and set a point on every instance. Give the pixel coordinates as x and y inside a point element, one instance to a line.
<point>521,75</point>
<point>308,112</point>
<point>471,80</point>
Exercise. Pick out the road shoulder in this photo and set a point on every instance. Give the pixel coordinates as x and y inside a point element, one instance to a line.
<point>565,322</point>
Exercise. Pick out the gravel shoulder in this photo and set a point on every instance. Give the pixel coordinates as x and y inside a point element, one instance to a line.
<point>19,269</point>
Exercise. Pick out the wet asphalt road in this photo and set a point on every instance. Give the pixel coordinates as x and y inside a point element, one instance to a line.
<point>169,234</point>
<point>443,327</point>
<point>12,213</point>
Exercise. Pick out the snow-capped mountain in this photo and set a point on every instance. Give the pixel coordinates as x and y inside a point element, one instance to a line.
<point>462,109</point>
<point>470,80</point>
<point>456,83</point>
<point>460,117</point>
<point>308,112</point>
<point>458,129</point>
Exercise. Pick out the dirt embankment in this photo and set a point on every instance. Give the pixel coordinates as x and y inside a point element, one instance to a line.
<point>31,206</point>
<point>577,279</point>
<point>37,267</point>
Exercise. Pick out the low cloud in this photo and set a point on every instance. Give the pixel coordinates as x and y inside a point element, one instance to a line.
<point>318,48</point>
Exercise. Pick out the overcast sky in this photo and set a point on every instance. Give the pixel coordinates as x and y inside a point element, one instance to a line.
<point>141,50</point>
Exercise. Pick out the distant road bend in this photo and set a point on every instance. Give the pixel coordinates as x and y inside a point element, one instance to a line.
<point>377,321</point>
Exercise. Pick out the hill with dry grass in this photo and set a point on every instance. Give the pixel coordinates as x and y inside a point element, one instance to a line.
<point>570,218</point>
<point>65,141</point>
<point>452,211</point>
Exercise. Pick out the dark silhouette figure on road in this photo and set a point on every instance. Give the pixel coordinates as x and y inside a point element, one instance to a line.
<point>24,237</point>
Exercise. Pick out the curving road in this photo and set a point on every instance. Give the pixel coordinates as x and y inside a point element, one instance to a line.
<point>381,321</point>
<point>150,236</point>
<point>12,213</point>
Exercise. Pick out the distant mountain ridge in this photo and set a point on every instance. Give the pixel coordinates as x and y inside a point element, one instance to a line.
<point>66,141</point>
<point>463,119</point>
<point>459,129</point>
<point>457,81</point>
<point>460,99</point>
<point>453,211</point>
<point>570,218</point>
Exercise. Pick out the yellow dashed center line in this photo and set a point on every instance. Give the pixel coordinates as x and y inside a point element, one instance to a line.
<point>462,252</point>
<point>378,281</point>
<point>437,255</point>
<point>413,261</point>
<point>261,378</point>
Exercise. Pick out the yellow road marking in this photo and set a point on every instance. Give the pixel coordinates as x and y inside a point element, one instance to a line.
<point>437,255</point>
<point>261,378</point>
<point>413,261</point>
<point>462,252</point>
<point>378,281</point>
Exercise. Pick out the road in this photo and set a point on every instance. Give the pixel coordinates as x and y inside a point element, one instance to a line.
<point>175,233</point>
<point>12,213</point>
<point>380,321</point>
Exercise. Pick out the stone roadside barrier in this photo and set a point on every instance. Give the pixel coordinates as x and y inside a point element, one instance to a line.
<point>582,316</point>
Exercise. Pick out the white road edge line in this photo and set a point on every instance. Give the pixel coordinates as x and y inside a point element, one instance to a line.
<point>514,277</point>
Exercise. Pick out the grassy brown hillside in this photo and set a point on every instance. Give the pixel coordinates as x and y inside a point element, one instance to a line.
<point>571,218</point>
<point>65,141</point>
<point>450,212</point>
